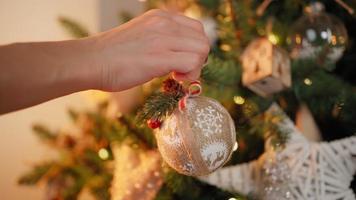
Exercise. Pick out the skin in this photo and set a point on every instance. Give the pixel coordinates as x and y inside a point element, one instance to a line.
<point>151,45</point>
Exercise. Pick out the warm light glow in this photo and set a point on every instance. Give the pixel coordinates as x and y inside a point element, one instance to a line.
<point>307,81</point>
<point>103,154</point>
<point>142,0</point>
<point>273,38</point>
<point>232,198</point>
<point>227,19</point>
<point>333,40</point>
<point>298,39</point>
<point>225,47</point>
<point>193,12</point>
<point>342,40</point>
<point>239,100</point>
<point>236,146</point>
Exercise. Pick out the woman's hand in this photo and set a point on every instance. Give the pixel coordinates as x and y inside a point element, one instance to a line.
<point>151,45</point>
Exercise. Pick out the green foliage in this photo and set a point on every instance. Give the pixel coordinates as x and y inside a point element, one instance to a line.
<point>220,71</point>
<point>43,133</point>
<point>327,101</point>
<point>125,16</point>
<point>158,106</point>
<point>179,187</point>
<point>162,104</point>
<point>209,4</point>
<point>35,175</point>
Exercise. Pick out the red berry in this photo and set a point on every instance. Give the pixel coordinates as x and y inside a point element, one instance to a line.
<point>154,123</point>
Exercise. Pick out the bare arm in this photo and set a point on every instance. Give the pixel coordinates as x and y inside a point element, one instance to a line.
<point>152,45</point>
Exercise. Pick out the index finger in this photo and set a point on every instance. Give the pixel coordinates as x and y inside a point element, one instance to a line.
<point>181,19</point>
<point>187,21</point>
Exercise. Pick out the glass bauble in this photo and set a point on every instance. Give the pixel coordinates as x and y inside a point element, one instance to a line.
<point>318,35</point>
<point>199,139</point>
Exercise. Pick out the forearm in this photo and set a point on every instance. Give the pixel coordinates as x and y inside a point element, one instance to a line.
<point>151,45</point>
<point>31,73</point>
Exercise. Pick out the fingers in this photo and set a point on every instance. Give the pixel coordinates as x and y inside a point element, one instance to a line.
<point>185,66</point>
<point>181,42</point>
<point>176,29</point>
<point>191,76</point>
<point>185,44</point>
<point>180,19</point>
<point>189,22</point>
<point>176,24</point>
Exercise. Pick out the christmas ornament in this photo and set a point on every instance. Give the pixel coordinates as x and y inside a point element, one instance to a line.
<point>198,137</point>
<point>317,170</point>
<point>137,173</point>
<point>266,67</point>
<point>154,123</point>
<point>318,35</point>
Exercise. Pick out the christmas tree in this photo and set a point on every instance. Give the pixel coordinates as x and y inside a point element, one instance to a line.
<point>296,54</point>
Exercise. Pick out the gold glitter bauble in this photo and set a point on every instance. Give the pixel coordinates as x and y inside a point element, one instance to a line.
<point>198,139</point>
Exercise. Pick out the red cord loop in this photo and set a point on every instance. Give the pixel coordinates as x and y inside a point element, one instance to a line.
<point>194,89</point>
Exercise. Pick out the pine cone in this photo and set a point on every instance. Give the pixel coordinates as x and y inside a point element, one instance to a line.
<point>172,86</point>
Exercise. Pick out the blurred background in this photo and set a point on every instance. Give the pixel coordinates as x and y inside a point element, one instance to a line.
<point>284,70</point>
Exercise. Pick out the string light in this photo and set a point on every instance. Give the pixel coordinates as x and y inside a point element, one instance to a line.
<point>239,100</point>
<point>298,39</point>
<point>307,81</point>
<point>225,47</point>
<point>273,38</point>
<point>103,154</point>
<point>232,198</point>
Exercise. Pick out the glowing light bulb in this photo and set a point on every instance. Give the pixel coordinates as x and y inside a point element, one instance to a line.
<point>307,81</point>
<point>273,38</point>
<point>103,154</point>
<point>225,47</point>
<point>239,100</point>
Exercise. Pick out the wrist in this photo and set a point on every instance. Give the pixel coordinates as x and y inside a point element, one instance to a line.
<point>85,65</point>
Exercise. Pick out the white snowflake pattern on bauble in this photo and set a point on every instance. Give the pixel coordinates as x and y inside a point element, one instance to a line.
<point>214,154</point>
<point>188,167</point>
<point>208,120</point>
<point>191,105</point>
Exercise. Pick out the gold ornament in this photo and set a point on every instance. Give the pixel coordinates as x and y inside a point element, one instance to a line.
<point>266,67</point>
<point>197,139</point>
<point>137,173</point>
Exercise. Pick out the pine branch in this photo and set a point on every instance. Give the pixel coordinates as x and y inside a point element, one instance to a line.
<point>146,141</point>
<point>35,175</point>
<point>44,133</point>
<point>158,106</point>
<point>189,188</point>
<point>162,104</point>
<point>221,72</point>
<point>125,16</point>
<point>73,28</point>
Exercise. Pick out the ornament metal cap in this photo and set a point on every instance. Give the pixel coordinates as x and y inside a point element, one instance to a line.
<point>314,8</point>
